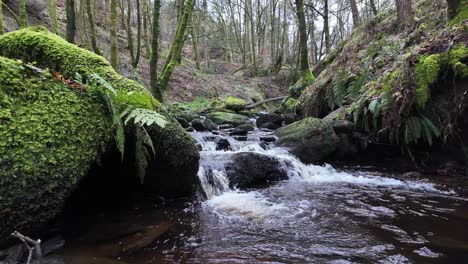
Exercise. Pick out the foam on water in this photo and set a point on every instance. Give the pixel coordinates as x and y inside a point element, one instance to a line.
<point>239,205</point>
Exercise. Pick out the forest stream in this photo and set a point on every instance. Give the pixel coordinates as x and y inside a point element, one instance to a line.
<point>319,215</point>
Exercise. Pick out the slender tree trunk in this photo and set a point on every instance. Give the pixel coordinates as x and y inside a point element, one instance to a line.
<point>304,67</point>
<point>71,21</point>
<point>136,60</point>
<point>129,31</point>
<point>177,45</point>
<point>355,12</point>
<point>373,7</point>
<point>206,50</point>
<point>284,37</point>
<point>405,14</point>
<point>92,26</point>
<point>23,16</point>
<point>1,17</point>
<point>113,34</point>
<point>155,87</point>
<point>326,27</point>
<point>53,15</point>
<point>145,28</point>
<point>195,44</point>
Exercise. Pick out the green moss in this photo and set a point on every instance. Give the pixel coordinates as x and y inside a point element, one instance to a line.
<point>236,104</point>
<point>50,136</point>
<point>426,73</point>
<point>461,12</point>
<point>456,58</point>
<point>291,105</point>
<point>137,98</point>
<point>37,44</point>
<point>223,118</point>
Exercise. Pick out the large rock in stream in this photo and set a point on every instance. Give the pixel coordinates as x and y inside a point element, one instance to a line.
<point>52,133</point>
<point>248,169</point>
<point>223,118</point>
<point>311,139</point>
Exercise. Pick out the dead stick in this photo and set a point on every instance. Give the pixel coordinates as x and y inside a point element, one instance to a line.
<point>266,101</point>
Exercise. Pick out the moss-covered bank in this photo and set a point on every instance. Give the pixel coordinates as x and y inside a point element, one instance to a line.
<point>52,133</point>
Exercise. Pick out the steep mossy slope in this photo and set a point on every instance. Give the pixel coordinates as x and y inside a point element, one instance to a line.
<point>391,83</point>
<point>53,129</point>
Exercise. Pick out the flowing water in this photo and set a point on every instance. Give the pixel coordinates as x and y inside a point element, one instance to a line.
<point>319,215</point>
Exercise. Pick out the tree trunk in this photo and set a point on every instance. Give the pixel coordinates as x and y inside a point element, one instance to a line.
<point>136,60</point>
<point>304,66</point>
<point>53,15</point>
<point>177,45</point>
<point>71,21</point>
<point>355,12</point>
<point>113,34</point>
<point>405,14</point>
<point>23,16</point>
<point>92,26</point>
<point>155,87</point>
<point>129,30</point>
<point>373,7</point>
<point>1,17</point>
<point>145,28</point>
<point>326,27</point>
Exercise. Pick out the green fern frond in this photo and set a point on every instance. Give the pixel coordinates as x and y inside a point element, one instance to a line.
<point>144,117</point>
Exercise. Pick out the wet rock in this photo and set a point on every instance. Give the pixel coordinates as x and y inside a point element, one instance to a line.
<point>412,175</point>
<point>346,147</point>
<point>310,139</point>
<point>190,129</point>
<point>270,118</point>
<point>223,144</point>
<point>338,114</point>
<point>268,139</point>
<point>289,119</point>
<point>183,122</point>
<point>341,126</point>
<point>223,118</point>
<point>13,254</point>
<point>242,130</point>
<point>199,125</point>
<point>270,126</point>
<point>189,115</point>
<point>254,170</point>
<point>228,126</point>
<point>210,125</point>
<point>199,147</point>
<point>240,138</point>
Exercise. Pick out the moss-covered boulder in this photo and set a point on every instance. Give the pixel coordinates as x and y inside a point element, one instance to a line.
<point>49,138</point>
<point>52,132</point>
<point>310,139</point>
<point>235,104</point>
<point>223,118</point>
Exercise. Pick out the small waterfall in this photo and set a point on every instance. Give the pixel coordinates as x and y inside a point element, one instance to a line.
<point>214,180</point>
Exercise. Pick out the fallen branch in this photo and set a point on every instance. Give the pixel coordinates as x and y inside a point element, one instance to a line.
<point>266,101</point>
<point>31,245</point>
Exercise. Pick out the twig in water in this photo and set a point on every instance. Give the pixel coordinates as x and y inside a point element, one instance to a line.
<point>31,245</point>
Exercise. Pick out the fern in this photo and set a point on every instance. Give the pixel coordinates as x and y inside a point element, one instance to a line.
<point>141,118</point>
<point>144,117</point>
<point>110,96</point>
<point>143,145</point>
<point>339,87</point>
<point>419,127</point>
